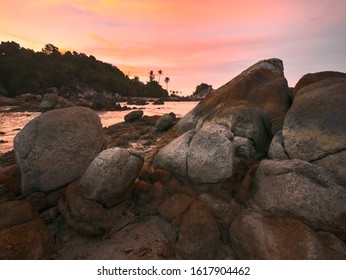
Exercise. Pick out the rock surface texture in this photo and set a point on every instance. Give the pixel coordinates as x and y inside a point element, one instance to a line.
<point>56,147</point>
<point>315,124</point>
<point>262,85</point>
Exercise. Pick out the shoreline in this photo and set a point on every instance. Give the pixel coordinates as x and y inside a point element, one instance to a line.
<point>108,118</point>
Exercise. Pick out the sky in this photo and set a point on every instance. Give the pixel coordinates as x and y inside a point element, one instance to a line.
<point>192,42</point>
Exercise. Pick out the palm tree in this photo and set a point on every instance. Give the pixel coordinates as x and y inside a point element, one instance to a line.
<point>167,81</point>
<point>151,76</point>
<point>160,73</point>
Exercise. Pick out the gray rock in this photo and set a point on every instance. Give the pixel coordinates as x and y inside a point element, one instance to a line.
<point>56,148</point>
<point>110,175</point>
<point>204,157</point>
<point>210,157</point>
<point>49,101</point>
<point>134,115</point>
<point>315,125</point>
<point>303,190</point>
<point>335,163</point>
<point>165,122</point>
<point>276,149</point>
<point>173,156</point>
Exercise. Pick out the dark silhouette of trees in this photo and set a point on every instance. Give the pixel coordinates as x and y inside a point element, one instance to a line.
<point>49,49</point>
<point>159,73</point>
<point>201,87</point>
<point>167,81</point>
<point>151,76</point>
<point>23,70</point>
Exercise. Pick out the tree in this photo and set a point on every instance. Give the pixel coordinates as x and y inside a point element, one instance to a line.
<point>160,73</point>
<point>49,49</point>
<point>167,81</point>
<point>151,76</point>
<point>201,87</point>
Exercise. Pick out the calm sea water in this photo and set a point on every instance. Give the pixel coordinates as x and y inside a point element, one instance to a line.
<point>11,123</point>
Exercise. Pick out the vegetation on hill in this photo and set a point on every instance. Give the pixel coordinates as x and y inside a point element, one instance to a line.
<point>201,87</point>
<point>24,70</point>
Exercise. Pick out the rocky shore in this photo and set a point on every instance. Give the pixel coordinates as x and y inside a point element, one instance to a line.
<point>254,171</point>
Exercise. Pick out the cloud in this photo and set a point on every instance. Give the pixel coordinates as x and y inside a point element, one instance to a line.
<point>190,41</point>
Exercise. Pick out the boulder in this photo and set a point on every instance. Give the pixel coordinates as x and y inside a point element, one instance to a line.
<point>311,78</point>
<point>315,125</point>
<point>23,235</point>
<point>86,216</point>
<point>263,85</point>
<point>110,174</point>
<point>134,115</point>
<point>204,157</point>
<point>199,234</point>
<point>55,148</point>
<point>49,101</point>
<point>267,238</point>
<point>165,122</point>
<point>251,123</point>
<point>303,190</point>
<point>173,157</point>
<point>210,156</point>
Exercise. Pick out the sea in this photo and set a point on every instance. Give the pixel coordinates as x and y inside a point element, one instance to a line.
<point>12,122</point>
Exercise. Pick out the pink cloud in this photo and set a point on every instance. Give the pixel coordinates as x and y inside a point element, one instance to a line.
<point>211,41</point>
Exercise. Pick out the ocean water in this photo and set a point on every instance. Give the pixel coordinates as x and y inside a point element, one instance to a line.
<point>12,122</point>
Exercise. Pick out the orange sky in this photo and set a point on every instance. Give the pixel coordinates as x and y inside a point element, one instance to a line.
<point>190,41</point>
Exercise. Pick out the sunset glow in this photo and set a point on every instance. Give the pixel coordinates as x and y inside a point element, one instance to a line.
<point>190,41</point>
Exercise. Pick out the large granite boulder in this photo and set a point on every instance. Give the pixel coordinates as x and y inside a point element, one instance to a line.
<point>23,235</point>
<point>210,156</point>
<point>302,190</point>
<point>263,85</point>
<point>173,156</point>
<point>311,78</point>
<point>55,148</point>
<point>110,175</point>
<point>315,125</point>
<point>89,202</point>
<point>247,122</point>
<point>204,157</point>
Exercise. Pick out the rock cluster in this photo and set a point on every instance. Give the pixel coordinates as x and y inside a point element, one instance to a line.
<point>252,172</point>
<point>56,147</point>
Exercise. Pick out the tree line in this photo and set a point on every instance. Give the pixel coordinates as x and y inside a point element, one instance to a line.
<point>24,70</point>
